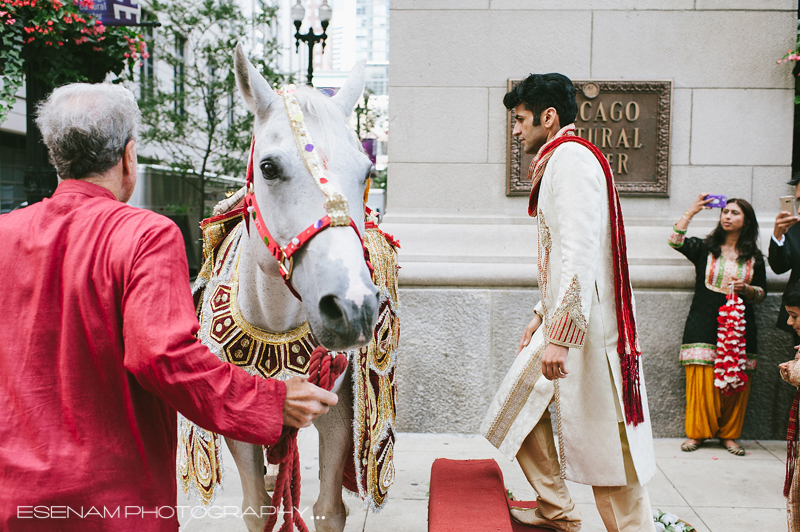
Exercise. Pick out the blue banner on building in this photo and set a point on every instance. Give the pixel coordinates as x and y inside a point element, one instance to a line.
<point>115,12</point>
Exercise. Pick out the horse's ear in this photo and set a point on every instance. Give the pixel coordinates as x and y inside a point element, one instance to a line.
<point>257,94</point>
<point>351,91</point>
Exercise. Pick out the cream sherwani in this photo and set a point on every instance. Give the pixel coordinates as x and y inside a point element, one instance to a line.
<point>576,280</point>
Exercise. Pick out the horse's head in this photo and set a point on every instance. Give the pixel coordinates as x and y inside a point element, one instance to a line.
<point>329,272</point>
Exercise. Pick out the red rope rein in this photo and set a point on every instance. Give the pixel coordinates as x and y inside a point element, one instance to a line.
<point>323,371</point>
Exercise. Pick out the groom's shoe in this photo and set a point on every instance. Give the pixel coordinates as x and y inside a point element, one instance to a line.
<point>530,516</point>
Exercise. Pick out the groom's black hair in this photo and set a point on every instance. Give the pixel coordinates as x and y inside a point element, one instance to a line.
<point>791,297</point>
<point>541,91</point>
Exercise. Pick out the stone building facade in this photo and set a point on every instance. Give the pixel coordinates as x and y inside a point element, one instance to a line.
<point>468,259</point>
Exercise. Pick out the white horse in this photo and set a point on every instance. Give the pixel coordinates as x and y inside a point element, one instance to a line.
<point>339,300</point>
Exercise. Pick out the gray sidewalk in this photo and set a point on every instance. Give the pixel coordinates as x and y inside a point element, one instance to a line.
<point>709,488</point>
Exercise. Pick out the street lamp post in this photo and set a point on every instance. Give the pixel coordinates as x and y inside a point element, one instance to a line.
<point>298,12</point>
<point>363,111</point>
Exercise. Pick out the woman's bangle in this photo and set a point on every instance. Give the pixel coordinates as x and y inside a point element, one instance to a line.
<point>687,218</point>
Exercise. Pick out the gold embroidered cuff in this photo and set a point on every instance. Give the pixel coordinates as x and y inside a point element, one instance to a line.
<point>565,332</point>
<point>677,237</point>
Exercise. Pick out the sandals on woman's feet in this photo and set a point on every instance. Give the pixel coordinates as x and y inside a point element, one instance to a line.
<point>689,447</point>
<point>735,449</point>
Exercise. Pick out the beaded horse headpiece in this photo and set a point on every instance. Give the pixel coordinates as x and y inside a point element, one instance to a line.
<point>335,204</point>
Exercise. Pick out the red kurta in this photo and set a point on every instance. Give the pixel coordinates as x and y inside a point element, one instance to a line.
<point>97,352</point>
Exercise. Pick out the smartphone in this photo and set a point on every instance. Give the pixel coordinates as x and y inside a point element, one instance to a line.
<point>787,204</point>
<point>718,201</point>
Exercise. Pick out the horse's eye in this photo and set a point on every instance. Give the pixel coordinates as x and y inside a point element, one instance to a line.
<point>270,170</point>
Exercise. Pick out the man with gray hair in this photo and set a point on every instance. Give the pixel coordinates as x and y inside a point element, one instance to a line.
<point>97,344</point>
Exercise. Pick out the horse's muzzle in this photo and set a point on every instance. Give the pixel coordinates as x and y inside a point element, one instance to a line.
<point>346,325</point>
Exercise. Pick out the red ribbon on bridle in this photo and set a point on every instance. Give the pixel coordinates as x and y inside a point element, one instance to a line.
<point>284,254</point>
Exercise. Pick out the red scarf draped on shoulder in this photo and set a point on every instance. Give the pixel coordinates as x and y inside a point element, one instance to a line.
<point>628,343</point>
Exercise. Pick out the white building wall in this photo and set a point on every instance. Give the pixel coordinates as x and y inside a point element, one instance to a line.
<point>469,251</point>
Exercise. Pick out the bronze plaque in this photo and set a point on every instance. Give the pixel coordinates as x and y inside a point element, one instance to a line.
<point>628,120</point>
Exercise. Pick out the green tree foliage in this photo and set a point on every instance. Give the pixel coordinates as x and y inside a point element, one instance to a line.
<point>194,120</point>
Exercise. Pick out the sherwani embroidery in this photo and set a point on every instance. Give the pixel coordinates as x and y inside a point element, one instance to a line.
<point>576,280</point>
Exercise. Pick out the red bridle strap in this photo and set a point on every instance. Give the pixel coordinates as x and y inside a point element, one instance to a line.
<point>284,254</point>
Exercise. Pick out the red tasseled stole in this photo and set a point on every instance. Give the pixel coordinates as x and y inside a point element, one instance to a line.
<point>792,436</point>
<point>628,343</point>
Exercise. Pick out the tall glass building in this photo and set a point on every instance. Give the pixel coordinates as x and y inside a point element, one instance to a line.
<point>372,42</point>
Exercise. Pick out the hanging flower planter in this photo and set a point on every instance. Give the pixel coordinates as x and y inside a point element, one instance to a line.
<point>62,44</point>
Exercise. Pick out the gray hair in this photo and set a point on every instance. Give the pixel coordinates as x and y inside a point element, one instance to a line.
<point>87,126</point>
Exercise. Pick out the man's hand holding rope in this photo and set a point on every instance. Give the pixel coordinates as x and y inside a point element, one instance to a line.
<point>305,402</point>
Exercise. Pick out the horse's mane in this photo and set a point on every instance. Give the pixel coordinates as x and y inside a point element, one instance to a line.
<point>321,113</point>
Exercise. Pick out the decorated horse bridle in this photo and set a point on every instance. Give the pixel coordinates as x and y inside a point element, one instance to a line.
<point>335,204</point>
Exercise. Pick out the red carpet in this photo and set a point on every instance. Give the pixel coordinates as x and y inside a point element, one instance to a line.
<point>469,496</point>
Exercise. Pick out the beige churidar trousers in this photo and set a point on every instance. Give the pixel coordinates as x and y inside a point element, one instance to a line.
<point>623,508</point>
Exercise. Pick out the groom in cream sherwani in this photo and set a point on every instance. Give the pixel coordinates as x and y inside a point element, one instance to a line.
<point>580,350</point>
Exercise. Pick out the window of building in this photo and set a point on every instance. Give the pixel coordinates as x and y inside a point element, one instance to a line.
<point>378,80</point>
<point>180,72</point>
<point>231,110</point>
<point>12,171</point>
<point>147,71</point>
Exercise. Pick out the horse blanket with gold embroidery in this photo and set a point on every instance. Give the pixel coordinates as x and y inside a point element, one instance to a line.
<point>288,354</point>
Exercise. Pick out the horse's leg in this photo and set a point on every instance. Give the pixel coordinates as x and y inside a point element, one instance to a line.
<point>335,434</point>
<point>250,462</point>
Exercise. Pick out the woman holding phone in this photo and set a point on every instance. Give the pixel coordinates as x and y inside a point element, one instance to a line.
<point>726,261</point>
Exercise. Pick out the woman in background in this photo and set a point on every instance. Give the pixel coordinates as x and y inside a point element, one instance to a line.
<point>728,259</point>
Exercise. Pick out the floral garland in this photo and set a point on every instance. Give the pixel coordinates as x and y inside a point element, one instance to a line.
<point>793,55</point>
<point>729,366</point>
<point>667,522</point>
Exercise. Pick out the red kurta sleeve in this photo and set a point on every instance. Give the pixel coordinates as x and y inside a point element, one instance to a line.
<point>166,358</point>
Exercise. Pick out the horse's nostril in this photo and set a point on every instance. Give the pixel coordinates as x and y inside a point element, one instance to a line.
<point>330,309</point>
